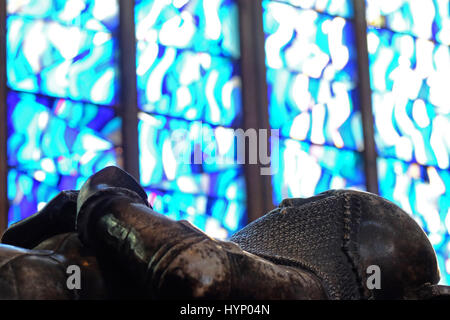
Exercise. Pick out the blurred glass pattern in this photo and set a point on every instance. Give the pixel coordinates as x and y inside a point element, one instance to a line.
<point>314,110</point>
<point>306,169</point>
<point>198,25</point>
<point>410,71</point>
<point>27,195</point>
<point>98,15</point>
<point>312,82</point>
<point>410,100</point>
<point>342,8</point>
<point>189,85</point>
<point>187,63</point>
<point>191,157</point>
<point>58,144</point>
<point>426,19</point>
<point>61,65</point>
<point>193,161</point>
<point>425,192</point>
<point>219,217</point>
<point>189,89</point>
<point>48,57</point>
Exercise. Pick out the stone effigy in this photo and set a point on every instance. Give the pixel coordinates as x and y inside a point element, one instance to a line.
<point>323,247</point>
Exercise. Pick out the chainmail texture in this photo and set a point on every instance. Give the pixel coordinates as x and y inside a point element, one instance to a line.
<point>320,236</point>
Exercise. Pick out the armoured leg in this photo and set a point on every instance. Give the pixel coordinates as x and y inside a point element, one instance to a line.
<point>171,259</point>
<point>57,217</point>
<point>31,275</point>
<point>36,252</point>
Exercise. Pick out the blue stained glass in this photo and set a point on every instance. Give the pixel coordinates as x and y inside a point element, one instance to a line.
<point>63,61</point>
<point>428,19</point>
<point>315,110</point>
<point>409,79</point>
<point>26,195</point>
<point>312,80</point>
<point>189,89</point>
<point>219,217</point>
<point>306,169</point>
<point>31,187</point>
<point>341,8</point>
<point>55,144</point>
<point>409,67</point>
<point>423,192</point>
<point>311,75</point>
<point>306,41</point>
<point>193,86</point>
<point>96,15</point>
<point>36,128</point>
<point>203,26</point>
<point>190,157</point>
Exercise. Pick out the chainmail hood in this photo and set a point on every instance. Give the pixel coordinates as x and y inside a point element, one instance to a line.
<point>318,234</point>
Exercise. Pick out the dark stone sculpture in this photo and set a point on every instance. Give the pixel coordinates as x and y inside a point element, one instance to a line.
<point>315,248</point>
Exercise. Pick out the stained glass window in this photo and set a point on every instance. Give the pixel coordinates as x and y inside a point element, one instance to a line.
<point>342,8</point>
<point>410,67</point>
<point>63,99</point>
<point>62,75</point>
<point>426,19</point>
<point>189,91</point>
<point>308,169</point>
<point>312,82</point>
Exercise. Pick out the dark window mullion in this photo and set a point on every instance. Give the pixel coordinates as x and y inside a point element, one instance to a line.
<point>128,87</point>
<point>254,101</point>
<point>3,130</point>
<point>365,96</point>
